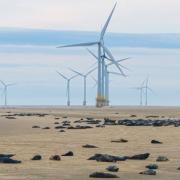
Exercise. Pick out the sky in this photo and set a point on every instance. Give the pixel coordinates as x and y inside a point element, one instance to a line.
<point>131,16</point>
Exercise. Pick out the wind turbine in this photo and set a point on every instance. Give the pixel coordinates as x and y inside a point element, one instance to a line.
<point>144,86</point>
<point>5,91</point>
<point>85,81</point>
<point>146,90</point>
<point>140,89</point>
<point>68,86</point>
<point>102,49</point>
<point>106,73</point>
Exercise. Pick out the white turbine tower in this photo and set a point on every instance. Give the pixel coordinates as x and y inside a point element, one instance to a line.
<point>85,82</point>
<point>5,91</point>
<point>102,49</point>
<point>68,86</point>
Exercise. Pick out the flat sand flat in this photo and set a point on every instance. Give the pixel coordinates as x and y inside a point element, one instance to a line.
<point>18,137</point>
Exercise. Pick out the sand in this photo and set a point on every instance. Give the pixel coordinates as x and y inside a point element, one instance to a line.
<point>18,137</point>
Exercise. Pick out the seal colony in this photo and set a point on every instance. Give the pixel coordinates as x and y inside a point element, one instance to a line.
<point>83,143</point>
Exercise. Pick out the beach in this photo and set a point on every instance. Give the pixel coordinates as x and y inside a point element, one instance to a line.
<point>18,137</point>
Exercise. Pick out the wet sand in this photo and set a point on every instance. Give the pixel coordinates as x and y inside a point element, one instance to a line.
<point>17,136</point>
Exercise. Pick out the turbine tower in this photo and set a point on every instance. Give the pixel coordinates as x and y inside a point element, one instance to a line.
<point>5,91</point>
<point>107,73</point>
<point>102,49</point>
<point>140,89</point>
<point>84,76</point>
<point>68,86</point>
<point>141,94</point>
<point>146,90</point>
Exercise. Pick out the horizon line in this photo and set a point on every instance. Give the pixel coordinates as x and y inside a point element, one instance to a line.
<point>76,30</point>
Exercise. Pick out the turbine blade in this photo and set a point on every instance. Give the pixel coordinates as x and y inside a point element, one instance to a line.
<point>123,59</point>
<point>112,58</point>
<point>62,75</point>
<point>150,89</point>
<point>95,85</point>
<point>74,76</point>
<point>76,72</point>
<point>124,67</point>
<point>2,83</point>
<point>95,81</point>
<point>93,65</point>
<point>107,23</point>
<point>79,45</point>
<point>136,88</point>
<point>91,71</point>
<point>115,73</point>
<point>92,54</point>
<point>109,64</point>
<point>116,61</point>
<point>143,83</point>
<point>12,84</point>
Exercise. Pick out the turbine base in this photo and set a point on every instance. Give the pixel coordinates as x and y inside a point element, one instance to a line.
<point>100,102</point>
<point>107,103</point>
<point>84,103</point>
<point>68,103</point>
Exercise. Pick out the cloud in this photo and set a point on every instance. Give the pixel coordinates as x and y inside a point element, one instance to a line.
<point>130,15</point>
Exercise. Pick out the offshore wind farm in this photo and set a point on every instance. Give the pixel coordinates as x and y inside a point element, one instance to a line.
<point>89,90</point>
